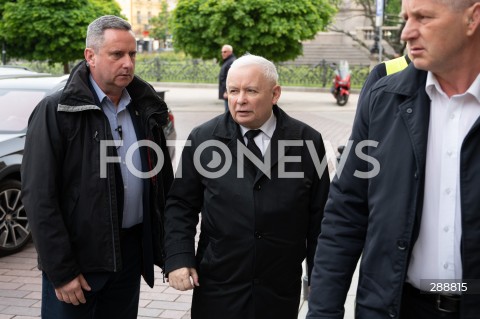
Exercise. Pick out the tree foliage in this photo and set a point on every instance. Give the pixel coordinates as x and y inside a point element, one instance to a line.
<point>391,18</point>
<point>50,30</point>
<point>270,28</point>
<point>159,24</point>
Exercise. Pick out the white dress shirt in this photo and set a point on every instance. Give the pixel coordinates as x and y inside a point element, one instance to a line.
<point>262,139</point>
<point>436,254</point>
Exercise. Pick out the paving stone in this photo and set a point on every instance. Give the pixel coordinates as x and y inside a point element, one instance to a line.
<point>22,311</point>
<point>172,314</point>
<point>149,312</point>
<point>21,302</point>
<point>169,305</point>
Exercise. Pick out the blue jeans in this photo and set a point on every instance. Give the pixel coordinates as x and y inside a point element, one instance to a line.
<point>113,294</point>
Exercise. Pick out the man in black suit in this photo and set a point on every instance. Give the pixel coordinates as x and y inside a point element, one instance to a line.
<point>261,203</point>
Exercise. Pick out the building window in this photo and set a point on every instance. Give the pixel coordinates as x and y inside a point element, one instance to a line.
<point>139,17</point>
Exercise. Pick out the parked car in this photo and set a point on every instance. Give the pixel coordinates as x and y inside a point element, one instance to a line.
<point>18,98</point>
<point>9,71</point>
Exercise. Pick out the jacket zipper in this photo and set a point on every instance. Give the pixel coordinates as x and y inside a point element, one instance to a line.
<point>106,125</point>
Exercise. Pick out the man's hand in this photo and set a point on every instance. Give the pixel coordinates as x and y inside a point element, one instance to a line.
<point>183,278</point>
<point>72,292</point>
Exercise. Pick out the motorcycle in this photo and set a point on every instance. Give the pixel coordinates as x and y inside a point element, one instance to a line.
<point>341,83</point>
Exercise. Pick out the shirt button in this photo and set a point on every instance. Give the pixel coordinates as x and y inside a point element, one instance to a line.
<point>409,110</point>
<point>448,190</point>
<point>446,229</point>
<point>258,187</point>
<point>445,266</point>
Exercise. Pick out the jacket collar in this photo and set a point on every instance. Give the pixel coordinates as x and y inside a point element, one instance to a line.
<point>408,82</point>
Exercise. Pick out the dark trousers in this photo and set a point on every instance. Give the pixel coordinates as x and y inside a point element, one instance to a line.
<point>113,295</point>
<point>417,305</point>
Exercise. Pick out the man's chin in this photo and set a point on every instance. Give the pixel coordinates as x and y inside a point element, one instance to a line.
<point>421,64</point>
<point>124,80</point>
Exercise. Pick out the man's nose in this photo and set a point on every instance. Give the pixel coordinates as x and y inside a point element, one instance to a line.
<point>241,98</point>
<point>128,61</point>
<point>409,30</point>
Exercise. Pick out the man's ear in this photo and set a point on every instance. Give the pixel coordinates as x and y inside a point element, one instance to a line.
<point>89,55</point>
<point>473,21</point>
<point>277,91</point>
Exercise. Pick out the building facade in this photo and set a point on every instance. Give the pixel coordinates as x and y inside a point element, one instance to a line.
<point>139,13</point>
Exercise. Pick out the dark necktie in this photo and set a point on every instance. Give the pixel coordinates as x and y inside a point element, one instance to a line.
<point>252,146</point>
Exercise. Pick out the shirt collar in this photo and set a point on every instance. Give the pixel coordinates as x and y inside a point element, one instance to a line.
<point>124,100</point>
<point>267,128</point>
<point>432,84</point>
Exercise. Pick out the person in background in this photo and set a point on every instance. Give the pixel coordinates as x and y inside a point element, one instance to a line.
<point>413,216</point>
<point>261,215</point>
<point>95,210</point>
<point>228,57</point>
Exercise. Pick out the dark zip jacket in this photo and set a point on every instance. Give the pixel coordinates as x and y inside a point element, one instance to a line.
<point>379,217</point>
<point>74,213</point>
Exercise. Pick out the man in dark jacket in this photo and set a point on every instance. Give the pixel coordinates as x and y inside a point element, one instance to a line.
<point>95,174</point>
<point>260,215</point>
<point>408,199</point>
<point>227,59</point>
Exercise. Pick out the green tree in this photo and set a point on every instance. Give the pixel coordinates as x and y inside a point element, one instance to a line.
<point>159,24</point>
<point>392,17</point>
<point>270,28</point>
<point>50,30</point>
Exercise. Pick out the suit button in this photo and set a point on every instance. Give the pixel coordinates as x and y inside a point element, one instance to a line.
<point>258,187</point>
<point>401,245</point>
<point>258,235</point>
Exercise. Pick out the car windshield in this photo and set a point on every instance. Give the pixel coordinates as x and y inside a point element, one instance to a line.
<point>16,107</point>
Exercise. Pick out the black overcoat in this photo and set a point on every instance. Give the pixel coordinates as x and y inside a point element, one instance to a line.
<point>222,75</point>
<point>255,230</point>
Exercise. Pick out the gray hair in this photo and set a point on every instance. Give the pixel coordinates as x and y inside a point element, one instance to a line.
<point>228,47</point>
<point>268,68</point>
<point>96,29</point>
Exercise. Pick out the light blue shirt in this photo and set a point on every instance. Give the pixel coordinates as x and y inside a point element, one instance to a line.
<point>123,129</point>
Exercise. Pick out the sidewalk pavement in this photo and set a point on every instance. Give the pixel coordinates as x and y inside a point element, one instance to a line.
<point>20,280</point>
